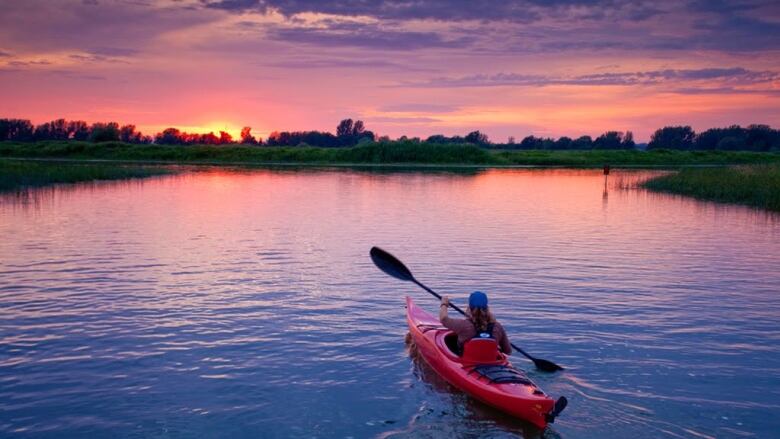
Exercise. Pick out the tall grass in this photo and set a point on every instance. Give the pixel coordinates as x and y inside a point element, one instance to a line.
<point>757,185</point>
<point>25,174</point>
<point>387,153</point>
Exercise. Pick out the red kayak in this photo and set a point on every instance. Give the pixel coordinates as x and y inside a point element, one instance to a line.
<point>482,372</point>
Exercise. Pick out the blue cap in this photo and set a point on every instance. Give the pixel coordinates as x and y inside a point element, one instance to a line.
<point>478,299</point>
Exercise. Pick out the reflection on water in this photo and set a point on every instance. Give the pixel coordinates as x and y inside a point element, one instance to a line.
<point>242,303</point>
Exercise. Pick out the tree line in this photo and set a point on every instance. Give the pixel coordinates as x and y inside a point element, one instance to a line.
<point>608,140</point>
<point>733,138</point>
<point>350,133</point>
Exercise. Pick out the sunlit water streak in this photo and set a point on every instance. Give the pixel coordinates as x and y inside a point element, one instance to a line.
<point>243,304</point>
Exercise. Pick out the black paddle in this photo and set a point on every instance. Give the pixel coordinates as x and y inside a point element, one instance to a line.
<point>392,266</point>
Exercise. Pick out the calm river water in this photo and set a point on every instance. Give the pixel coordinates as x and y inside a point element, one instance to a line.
<point>243,303</point>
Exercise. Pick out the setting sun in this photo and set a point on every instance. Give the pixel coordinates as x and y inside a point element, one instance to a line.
<point>215,127</point>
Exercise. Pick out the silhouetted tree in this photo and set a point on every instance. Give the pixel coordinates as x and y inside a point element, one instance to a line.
<point>5,129</point>
<point>678,137</point>
<point>225,138</point>
<point>563,143</point>
<point>609,140</point>
<point>54,130</point>
<point>582,142</point>
<point>711,139</point>
<point>128,134</point>
<point>762,138</point>
<point>532,142</point>
<point>208,139</point>
<point>169,136</point>
<point>312,138</point>
<point>529,142</point>
<point>344,128</point>
<point>104,132</point>
<point>731,143</point>
<point>628,141</point>
<point>247,137</point>
<point>78,130</point>
<point>350,133</point>
<point>477,138</point>
<point>358,128</point>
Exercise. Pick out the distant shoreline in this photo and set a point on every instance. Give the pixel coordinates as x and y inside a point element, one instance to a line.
<point>374,155</point>
<point>749,178</point>
<point>421,166</point>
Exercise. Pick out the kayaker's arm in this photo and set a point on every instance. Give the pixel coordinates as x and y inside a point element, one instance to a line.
<point>445,303</point>
<point>503,342</point>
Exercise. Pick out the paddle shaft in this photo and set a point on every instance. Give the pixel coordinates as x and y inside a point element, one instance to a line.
<point>455,307</point>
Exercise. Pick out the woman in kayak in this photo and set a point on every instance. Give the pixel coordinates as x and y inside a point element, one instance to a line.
<point>479,321</point>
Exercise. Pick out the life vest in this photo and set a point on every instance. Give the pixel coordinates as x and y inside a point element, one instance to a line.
<point>482,348</point>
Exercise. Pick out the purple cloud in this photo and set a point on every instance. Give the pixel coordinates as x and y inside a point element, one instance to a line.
<point>368,37</point>
<point>342,63</point>
<point>737,75</point>
<point>568,25</point>
<point>29,63</point>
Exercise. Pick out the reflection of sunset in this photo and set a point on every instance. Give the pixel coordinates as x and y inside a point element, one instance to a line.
<point>144,299</point>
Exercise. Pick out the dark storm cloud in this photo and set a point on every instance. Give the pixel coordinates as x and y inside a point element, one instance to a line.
<point>736,75</point>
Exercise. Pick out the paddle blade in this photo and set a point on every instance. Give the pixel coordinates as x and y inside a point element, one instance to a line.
<point>390,264</point>
<point>546,366</point>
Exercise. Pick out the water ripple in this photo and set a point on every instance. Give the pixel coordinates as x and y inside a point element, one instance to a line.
<point>243,304</point>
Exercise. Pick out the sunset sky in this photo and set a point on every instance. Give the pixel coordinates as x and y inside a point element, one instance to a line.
<point>417,67</point>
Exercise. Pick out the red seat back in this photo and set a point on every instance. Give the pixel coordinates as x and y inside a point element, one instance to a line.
<point>481,350</point>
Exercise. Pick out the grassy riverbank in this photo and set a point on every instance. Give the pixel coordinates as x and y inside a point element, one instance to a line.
<point>392,153</point>
<point>16,174</point>
<point>757,186</point>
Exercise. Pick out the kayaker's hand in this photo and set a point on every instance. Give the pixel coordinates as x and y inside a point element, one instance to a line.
<point>445,300</point>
